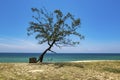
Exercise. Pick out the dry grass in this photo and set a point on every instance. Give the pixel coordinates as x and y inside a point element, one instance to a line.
<point>109,70</point>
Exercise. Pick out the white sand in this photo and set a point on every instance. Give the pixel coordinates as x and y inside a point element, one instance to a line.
<point>36,71</point>
<point>94,61</point>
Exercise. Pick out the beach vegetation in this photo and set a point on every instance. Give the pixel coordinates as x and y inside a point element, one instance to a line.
<point>113,70</point>
<point>101,70</point>
<point>55,29</point>
<point>58,65</point>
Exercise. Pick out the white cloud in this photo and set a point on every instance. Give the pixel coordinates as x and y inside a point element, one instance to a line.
<point>25,45</point>
<point>19,45</point>
<point>102,47</point>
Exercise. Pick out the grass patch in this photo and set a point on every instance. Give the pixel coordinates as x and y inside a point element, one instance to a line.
<point>113,70</point>
<point>59,65</point>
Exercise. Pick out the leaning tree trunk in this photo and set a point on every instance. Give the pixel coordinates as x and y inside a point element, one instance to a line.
<point>42,55</point>
<point>48,49</point>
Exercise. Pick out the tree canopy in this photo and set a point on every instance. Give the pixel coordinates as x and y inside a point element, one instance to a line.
<point>54,28</point>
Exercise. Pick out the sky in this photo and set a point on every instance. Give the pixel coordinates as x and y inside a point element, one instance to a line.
<point>100,24</point>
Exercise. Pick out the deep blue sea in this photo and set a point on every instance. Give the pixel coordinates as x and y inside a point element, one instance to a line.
<point>58,57</point>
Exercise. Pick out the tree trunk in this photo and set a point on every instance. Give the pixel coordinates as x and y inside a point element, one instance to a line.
<point>48,49</point>
<point>42,55</point>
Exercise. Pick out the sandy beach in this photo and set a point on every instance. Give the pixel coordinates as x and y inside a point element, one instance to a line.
<point>85,70</point>
<point>95,61</point>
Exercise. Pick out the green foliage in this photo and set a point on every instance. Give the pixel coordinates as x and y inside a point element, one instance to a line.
<point>55,26</point>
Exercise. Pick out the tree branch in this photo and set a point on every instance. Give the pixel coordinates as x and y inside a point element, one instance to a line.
<point>48,42</point>
<point>52,51</point>
<point>57,45</point>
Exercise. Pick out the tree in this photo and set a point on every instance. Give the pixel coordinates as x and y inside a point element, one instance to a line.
<point>55,29</point>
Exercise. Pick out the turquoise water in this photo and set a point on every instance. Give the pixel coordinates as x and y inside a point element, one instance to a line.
<point>59,57</point>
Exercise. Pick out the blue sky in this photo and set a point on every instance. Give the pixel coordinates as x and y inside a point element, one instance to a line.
<point>100,23</point>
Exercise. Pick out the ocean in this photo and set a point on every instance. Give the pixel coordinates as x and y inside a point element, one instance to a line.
<point>58,57</point>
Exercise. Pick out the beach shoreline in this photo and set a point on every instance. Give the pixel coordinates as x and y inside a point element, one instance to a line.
<point>95,61</point>
<point>77,61</point>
